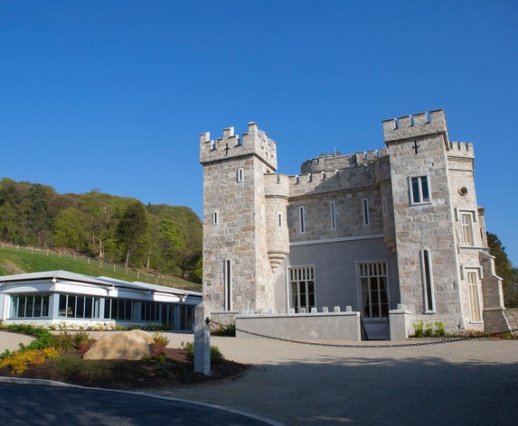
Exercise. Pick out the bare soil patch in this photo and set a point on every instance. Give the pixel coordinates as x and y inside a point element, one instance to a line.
<point>173,371</point>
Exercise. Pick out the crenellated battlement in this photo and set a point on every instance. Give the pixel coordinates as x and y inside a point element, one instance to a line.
<point>415,125</point>
<point>254,142</point>
<point>331,162</point>
<point>461,149</point>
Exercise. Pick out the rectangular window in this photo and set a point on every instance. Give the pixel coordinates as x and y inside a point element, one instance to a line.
<point>29,306</point>
<point>419,190</point>
<point>279,219</point>
<point>302,220</point>
<point>373,282</point>
<point>332,212</point>
<point>426,271</point>
<point>302,288</point>
<point>215,218</point>
<point>107,308</point>
<point>467,228</point>
<point>186,317</point>
<point>384,206</point>
<point>240,175</point>
<point>474,303</point>
<point>365,211</point>
<point>227,277</point>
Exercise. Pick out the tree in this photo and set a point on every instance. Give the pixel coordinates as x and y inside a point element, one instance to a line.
<point>71,229</point>
<point>504,270</point>
<point>131,228</point>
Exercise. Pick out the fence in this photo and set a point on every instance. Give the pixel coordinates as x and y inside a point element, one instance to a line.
<point>120,271</point>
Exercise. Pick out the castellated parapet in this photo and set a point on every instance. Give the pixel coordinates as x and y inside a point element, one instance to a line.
<point>415,125</point>
<point>254,142</point>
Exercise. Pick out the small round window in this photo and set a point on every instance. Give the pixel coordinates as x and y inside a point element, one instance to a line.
<point>463,191</point>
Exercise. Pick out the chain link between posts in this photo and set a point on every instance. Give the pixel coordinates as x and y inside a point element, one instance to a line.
<point>441,341</point>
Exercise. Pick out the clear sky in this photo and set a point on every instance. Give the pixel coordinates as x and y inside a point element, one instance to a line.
<point>113,95</point>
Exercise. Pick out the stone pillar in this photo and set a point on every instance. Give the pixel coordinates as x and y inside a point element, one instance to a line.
<point>201,341</point>
<point>399,323</point>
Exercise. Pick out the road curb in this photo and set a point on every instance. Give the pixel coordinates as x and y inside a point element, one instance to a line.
<point>44,382</point>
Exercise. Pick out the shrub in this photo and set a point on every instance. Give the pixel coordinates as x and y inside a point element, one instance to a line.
<point>215,355</point>
<point>440,328</point>
<point>158,346</point>
<point>224,330</point>
<point>428,330</point>
<point>419,329</point>
<point>19,361</point>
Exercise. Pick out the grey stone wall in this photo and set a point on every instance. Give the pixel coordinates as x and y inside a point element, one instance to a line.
<point>319,326</point>
<point>428,225</point>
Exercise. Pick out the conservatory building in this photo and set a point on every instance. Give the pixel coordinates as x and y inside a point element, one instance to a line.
<point>58,298</point>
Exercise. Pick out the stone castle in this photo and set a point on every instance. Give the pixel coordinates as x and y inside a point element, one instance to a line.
<point>394,229</point>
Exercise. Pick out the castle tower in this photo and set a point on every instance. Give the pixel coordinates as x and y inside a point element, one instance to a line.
<point>237,274</point>
<point>428,264</point>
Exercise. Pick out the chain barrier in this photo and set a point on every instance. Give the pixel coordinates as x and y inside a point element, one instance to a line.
<point>357,346</point>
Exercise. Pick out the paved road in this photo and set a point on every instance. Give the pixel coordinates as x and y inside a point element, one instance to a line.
<point>466,383</point>
<point>24,404</point>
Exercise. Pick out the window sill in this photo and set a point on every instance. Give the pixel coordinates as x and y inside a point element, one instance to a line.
<point>420,204</point>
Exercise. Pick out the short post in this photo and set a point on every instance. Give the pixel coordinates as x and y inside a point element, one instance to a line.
<point>201,341</point>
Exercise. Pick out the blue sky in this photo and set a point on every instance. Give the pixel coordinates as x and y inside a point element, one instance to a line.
<point>113,95</point>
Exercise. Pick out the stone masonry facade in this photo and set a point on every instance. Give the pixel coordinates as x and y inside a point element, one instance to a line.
<point>394,228</point>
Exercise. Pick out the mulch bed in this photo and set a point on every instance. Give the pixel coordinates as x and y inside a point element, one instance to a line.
<point>175,370</point>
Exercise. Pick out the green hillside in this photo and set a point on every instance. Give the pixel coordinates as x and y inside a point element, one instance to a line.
<point>17,261</point>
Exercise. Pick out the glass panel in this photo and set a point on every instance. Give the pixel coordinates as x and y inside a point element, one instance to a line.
<point>21,306</point>
<point>14,306</point>
<point>80,313</point>
<point>416,198</point>
<point>365,297</point>
<point>62,305</point>
<point>115,309</point>
<point>97,307</point>
<point>30,306</point>
<point>45,306</point>
<point>107,306</point>
<point>88,307</point>
<point>127,312</point>
<point>71,306</point>
<point>37,306</point>
<point>424,188</point>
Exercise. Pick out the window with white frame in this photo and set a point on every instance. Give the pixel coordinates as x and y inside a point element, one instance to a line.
<point>302,288</point>
<point>419,190</point>
<point>240,174</point>
<point>227,280</point>
<point>302,220</point>
<point>373,283</point>
<point>332,213</point>
<point>466,219</point>
<point>365,211</point>
<point>78,306</point>
<point>427,277</point>
<point>29,306</point>
<point>474,300</point>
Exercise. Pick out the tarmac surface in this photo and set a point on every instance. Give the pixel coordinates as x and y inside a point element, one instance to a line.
<point>472,382</point>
